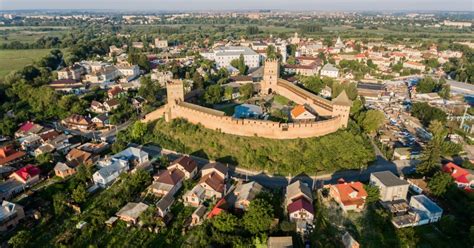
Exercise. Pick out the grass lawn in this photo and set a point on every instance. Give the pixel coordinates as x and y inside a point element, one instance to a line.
<point>11,60</point>
<point>281,100</point>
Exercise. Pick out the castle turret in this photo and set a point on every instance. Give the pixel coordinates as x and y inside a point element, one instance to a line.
<point>271,72</point>
<point>342,107</point>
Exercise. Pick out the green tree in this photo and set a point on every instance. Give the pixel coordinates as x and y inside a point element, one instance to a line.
<point>259,216</point>
<point>240,64</point>
<point>440,183</point>
<point>59,203</point>
<point>373,193</point>
<point>313,84</point>
<point>228,91</point>
<point>20,239</point>
<point>79,194</point>
<point>225,222</point>
<point>246,91</point>
<point>373,120</point>
<point>138,131</point>
<point>213,94</point>
<point>430,160</point>
<point>408,237</point>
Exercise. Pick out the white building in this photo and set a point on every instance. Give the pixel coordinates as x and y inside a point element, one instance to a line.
<point>224,55</point>
<point>329,70</point>
<point>111,170</point>
<point>128,72</point>
<point>428,210</point>
<point>161,76</point>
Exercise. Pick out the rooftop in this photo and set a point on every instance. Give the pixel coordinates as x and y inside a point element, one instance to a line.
<point>389,179</point>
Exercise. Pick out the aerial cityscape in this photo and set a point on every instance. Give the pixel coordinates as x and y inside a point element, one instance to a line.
<point>204,123</point>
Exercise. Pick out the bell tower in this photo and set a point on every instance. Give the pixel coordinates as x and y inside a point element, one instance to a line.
<point>271,72</point>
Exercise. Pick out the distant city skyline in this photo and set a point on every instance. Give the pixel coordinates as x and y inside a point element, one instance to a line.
<point>216,5</point>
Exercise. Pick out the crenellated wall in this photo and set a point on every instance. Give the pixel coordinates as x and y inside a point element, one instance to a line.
<point>246,127</point>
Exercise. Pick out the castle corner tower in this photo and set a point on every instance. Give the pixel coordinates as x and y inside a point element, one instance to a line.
<point>342,107</point>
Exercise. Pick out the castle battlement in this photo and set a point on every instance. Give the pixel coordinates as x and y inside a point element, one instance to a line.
<point>335,111</point>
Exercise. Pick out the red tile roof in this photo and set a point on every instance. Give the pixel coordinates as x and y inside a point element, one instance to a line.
<point>27,126</point>
<point>216,210</point>
<point>301,203</point>
<point>28,172</point>
<point>8,154</point>
<point>170,177</point>
<point>458,173</point>
<point>298,110</point>
<point>186,162</point>
<point>346,189</point>
<point>214,181</point>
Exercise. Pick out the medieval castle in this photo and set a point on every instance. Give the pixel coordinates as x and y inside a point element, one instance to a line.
<point>335,113</point>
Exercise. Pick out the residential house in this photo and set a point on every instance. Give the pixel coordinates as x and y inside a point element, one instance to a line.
<point>390,186</point>
<point>163,206</point>
<point>297,190</point>
<point>111,169</point>
<point>167,182</point>
<point>111,104</point>
<point>304,70</point>
<point>76,121</point>
<point>28,175</point>
<point>217,168</point>
<point>101,121</point>
<point>214,185</point>
<point>132,211</point>
<point>299,205</point>
<point>31,142</point>
<point>463,178</point>
<point>128,72</point>
<point>300,114</point>
<point>115,92</point>
<point>134,155</point>
<point>350,196</point>
<point>10,215</point>
<point>198,215</point>
<point>79,157</point>
<point>329,70</point>
<point>73,72</point>
<point>428,210</point>
<point>195,196</point>
<point>280,242</point>
<point>245,193</point>
<point>301,212</point>
<point>97,107</point>
<point>28,128</point>
<point>8,155</point>
<point>186,165</point>
<point>64,170</point>
<point>94,148</point>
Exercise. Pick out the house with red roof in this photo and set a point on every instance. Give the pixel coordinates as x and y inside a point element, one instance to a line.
<point>300,113</point>
<point>299,205</point>
<point>464,178</point>
<point>28,128</point>
<point>350,196</point>
<point>167,182</point>
<point>28,175</point>
<point>8,155</point>
<point>186,165</point>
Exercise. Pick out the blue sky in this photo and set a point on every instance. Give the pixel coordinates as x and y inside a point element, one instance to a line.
<point>184,5</point>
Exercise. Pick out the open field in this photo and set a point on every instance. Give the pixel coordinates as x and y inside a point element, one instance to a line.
<point>11,60</point>
<point>29,34</point>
